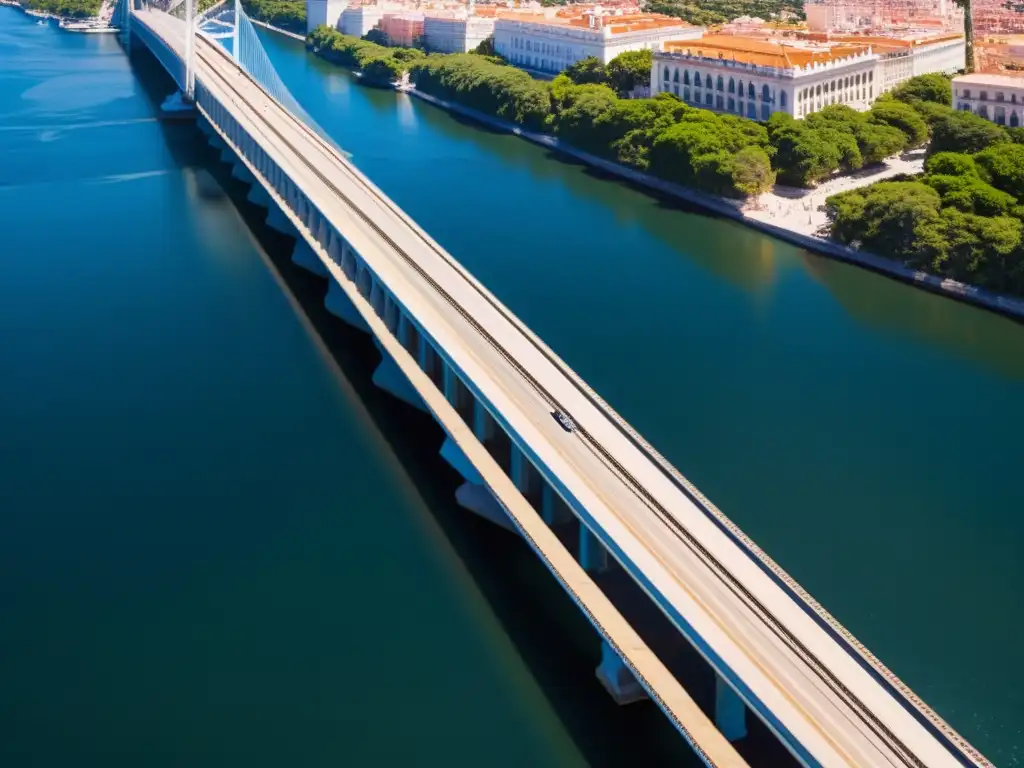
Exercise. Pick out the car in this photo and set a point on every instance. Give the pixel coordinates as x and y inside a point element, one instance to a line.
<point>564,421</point>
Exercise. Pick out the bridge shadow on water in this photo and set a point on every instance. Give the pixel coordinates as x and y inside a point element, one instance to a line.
<point>554,639</point>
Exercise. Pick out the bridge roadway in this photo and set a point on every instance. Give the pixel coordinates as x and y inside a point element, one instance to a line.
<point>827,703</point>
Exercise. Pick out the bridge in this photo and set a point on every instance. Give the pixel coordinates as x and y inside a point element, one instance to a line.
<point>541,453</point>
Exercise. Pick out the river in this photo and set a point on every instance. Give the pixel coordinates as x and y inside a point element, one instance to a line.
<point>218,544</point>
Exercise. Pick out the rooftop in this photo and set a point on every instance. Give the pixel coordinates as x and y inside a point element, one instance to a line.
<point>762,53</point>
<point>981,78</point>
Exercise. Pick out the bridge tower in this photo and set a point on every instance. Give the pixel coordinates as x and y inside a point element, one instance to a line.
<point>190,50</point>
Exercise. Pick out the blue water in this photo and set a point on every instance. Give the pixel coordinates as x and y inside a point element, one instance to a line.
<point>209,553</point>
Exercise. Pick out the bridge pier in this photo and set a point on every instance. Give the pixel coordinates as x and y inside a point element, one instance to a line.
<point>278,221</point>
<point>304,256</point>
<point>259,196</point>
<point>616,677</point>
<point>474,494</point>
<point>730,711</point>
<point>341,306</point>
<point>389,377</point>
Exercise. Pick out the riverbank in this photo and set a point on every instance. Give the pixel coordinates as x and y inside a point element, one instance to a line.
<point>1005,305</point>
<point>86,24</point>
<point>279,30</point>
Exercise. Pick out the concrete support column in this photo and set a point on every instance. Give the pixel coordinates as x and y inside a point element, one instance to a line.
<point>473,494</point>
<point>338,304</point>
<point>730,711</point>
<point>277,220</point>
<point>593,555</point>
<point>483,423</point>
<point>258,196</point>
<point>304,256</point>
<point>616,677</point>
<point>389,377</point>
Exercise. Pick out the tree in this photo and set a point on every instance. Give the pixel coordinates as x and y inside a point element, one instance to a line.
<point>376,35</point>
<point>902,116</point>
<point>486,48</point>
<point>630,70</point>
<point>878,141</point>
<point>934,88</point>
<point>751,172</point>
<point>1016,135</point>
<point>951,164</point>
<point>962,131</point>
<point>891,218</point>
<point>1004,167</point>
<point>587,70</point>
<point>968,34</point>
<point>971,195</point>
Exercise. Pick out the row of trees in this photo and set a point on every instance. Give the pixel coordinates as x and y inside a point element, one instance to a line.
<point>962,218</point>
<point>68,9</point>
<point>286,14</point>
<point>379,64</point>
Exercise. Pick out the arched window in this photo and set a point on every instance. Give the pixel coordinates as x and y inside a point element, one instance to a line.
<point>708,97</point>
<point>719,103</point>
<point>765,111</point>
<point>721,83</point>
<point>666,72</point>
<point>707,81</point>
<point>766,93</point>
<point>858,80</point>
<point>696,78</point>
<point>686,94</point>
<point>751,110</point>
<point>750,91</point>
<point>686,77</point>
<point>732,104</point>
<point>732,85</point>
<point>833,85</point>
<point>817,90</point>
<point>782,98</point>
<point>871,76</point>
<point>739,89</point>
<point>675,76</point>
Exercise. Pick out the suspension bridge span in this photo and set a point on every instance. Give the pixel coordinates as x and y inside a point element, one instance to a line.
<point>540,452</point>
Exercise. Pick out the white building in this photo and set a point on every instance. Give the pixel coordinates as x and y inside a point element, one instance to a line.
<point>456,34</point>
<point>324,12</point>
<point>900,59</point>
<point>361,19</point>
<point>755,78</point>
<point>999,98</point>
<point>551,43</point>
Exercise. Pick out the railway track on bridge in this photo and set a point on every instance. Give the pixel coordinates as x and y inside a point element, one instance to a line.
<point>213,56</point>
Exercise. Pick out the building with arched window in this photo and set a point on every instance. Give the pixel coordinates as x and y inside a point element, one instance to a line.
<point>999,98</point>
<point>797,78</point>
<point>556,38</point>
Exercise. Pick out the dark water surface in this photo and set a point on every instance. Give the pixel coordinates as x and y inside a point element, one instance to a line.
<point>865,433</point>
<point>218,547</point>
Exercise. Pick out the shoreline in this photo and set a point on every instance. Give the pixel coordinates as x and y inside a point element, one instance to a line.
<point>279,30</point>
<point>86,25</point>
<point>1008,306</point>
<point>1005,305</point>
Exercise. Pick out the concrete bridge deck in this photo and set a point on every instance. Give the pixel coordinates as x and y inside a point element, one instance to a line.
<point>824,700</point>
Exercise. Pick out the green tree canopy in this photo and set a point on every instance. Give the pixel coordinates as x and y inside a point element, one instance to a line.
<point>1004,167</point>
<point>935,88</point>
<point>588,70</point>
<point>630,70</point>
<point>961,131</point>
<point>951,164</point>
<point>901,116</point>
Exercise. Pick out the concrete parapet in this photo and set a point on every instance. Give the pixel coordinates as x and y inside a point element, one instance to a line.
<point>341,306</point>
<point>303,255</point>
<point>617,679</point>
